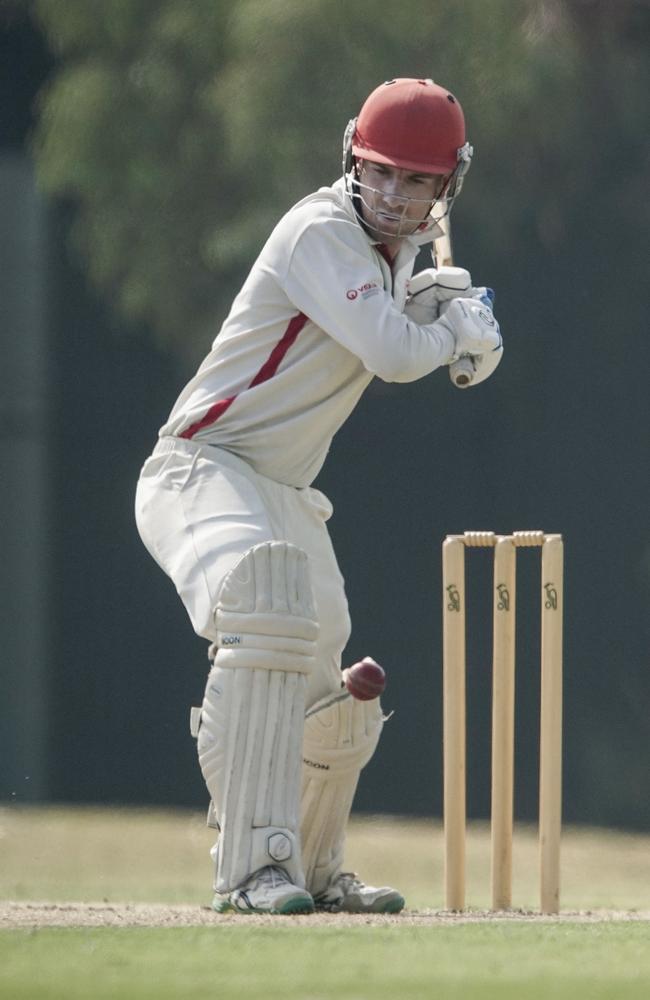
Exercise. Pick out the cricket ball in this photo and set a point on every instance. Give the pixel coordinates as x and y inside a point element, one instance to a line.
<point>365,680</point>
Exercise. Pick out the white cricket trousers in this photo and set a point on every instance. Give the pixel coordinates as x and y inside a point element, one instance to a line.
<point>200,508</point>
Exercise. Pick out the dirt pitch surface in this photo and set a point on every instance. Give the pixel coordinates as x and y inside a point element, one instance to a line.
<point>34,915</point>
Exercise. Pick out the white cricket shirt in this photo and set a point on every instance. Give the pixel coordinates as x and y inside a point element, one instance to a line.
<point>319,315</point>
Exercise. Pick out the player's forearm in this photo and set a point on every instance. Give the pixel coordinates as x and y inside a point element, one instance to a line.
<point>402,351</point>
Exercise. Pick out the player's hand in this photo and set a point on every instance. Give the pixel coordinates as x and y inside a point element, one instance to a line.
<point>473,326</point>
<point>475,368</point>
<point>477,336</point>
<point>429,289</point>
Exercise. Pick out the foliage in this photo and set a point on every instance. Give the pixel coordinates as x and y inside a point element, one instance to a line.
<point>180,131</point>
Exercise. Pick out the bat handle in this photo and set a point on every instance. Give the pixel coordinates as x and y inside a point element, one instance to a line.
<point>461,372</point>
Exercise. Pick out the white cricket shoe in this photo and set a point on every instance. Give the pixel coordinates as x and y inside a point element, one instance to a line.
<point>268,890</point>
<point>348,894</point>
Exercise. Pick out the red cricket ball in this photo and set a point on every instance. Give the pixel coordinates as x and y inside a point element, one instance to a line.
<point>365,680</point>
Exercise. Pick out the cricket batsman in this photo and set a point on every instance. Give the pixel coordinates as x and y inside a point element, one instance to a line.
<point>226,506</point>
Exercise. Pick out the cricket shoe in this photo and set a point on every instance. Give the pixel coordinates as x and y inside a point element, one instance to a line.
<point>348,894</point>
<point>269,890</point>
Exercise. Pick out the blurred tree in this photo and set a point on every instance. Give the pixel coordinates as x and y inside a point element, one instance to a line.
<point>181,130</point>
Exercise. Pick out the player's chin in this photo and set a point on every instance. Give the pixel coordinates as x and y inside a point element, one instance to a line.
<point>383,226</point>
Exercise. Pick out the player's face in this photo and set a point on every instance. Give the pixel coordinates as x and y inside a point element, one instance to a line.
<point>395,202</point>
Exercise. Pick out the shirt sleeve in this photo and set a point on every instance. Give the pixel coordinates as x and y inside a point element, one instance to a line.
<point>333,278</point>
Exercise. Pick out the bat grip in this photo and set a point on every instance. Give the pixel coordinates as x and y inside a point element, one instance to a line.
<point>461,372</point>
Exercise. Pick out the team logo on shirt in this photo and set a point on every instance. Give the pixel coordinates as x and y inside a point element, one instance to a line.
<point>365,291</point>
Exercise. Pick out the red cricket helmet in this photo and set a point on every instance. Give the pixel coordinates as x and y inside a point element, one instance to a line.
<point>411,124</point>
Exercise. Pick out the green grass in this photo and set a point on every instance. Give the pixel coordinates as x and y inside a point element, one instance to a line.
<point>162,856</point>
<point>501,961</point>
<point>149,856</point>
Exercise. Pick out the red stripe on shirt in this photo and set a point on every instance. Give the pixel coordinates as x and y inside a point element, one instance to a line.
<point>386,254</point>
<point>267,371</point>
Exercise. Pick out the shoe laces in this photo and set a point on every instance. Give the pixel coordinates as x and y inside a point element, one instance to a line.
<point>345,881</point>
<point>273,876</point>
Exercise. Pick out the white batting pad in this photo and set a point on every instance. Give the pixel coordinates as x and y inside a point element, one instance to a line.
<point>249,746</point>
<point>341,734</point>
<point>265,614</point>
<point>252,718</point>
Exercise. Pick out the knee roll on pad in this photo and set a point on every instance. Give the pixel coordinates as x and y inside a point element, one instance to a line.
<point>341,735</point>
<point>265,615</point>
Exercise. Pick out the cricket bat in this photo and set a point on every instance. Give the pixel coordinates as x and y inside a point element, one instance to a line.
<point>461,372</point>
